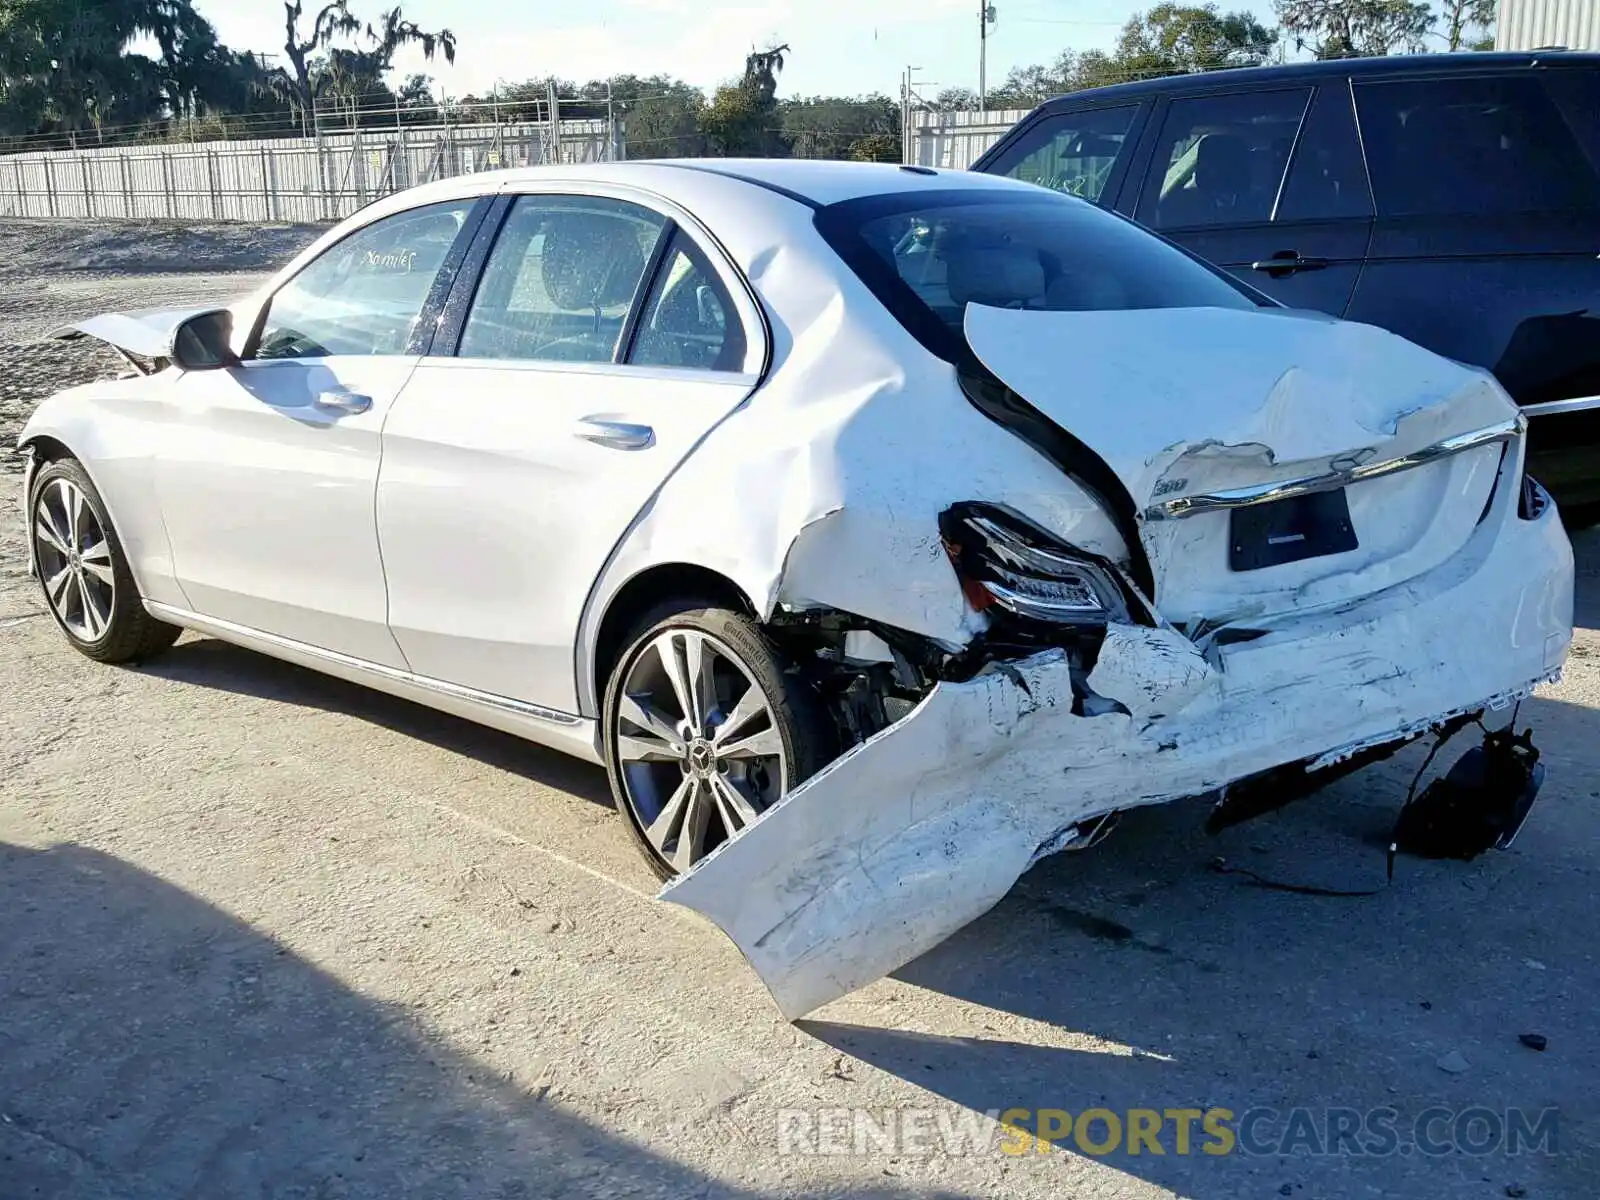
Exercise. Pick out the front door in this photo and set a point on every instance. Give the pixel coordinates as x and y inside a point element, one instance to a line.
<point>267,479</point>
<point>1268,185</point>
<point>601,345</point>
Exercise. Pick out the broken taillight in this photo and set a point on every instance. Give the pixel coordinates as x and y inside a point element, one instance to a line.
<point>1005,560</point>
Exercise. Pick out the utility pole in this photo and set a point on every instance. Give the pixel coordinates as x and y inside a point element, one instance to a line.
<point>611,123</point>
<point>986,16</point>
<point>905,116</point>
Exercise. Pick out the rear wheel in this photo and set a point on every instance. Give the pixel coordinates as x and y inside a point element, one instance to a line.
<point>705,729</point>
<point>83,571</point>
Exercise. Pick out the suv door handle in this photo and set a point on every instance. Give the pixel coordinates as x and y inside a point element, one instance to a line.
<point>340,400</point>
<point>618,435</point>
<point>1287,262</point>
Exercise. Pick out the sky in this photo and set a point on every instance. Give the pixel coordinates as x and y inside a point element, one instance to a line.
<point>838,47</point>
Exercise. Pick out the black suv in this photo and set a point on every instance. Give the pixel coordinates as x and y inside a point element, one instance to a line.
<point>1451,198</point>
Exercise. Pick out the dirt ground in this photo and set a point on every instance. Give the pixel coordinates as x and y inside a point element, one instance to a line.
<point>266,934</point>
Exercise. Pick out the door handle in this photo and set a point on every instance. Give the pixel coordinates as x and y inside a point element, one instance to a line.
<point>340,400</point>
<point>1287,262</point>
<point>618,435</point>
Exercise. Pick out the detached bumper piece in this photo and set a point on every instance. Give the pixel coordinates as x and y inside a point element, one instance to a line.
<point>1481,803</point>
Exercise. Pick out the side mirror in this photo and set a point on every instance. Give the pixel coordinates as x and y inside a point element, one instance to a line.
<point>204,342</point>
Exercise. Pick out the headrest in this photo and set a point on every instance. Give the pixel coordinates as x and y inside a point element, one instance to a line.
<point>1222,158</point>
<point>995,275</point>
<point>591,260</point>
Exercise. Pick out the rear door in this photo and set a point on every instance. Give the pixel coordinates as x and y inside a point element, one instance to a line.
<point>1485,243</point>
<point>603,340</point>
<point>1266,183</point>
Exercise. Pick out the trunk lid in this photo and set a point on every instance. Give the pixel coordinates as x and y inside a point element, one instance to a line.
<point>1277,460</point>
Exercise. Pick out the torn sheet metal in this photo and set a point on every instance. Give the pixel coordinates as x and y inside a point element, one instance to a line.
<point>925,826</point>
<point>1238,403</point>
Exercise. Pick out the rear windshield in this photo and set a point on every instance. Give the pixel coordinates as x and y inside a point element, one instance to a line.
<point>927,255</point>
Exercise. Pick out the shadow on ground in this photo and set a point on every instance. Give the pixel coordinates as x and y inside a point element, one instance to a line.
<point>153,1046</point>
<point>1235,996</point>
<point>1205,990</point>
<point>206,662</point>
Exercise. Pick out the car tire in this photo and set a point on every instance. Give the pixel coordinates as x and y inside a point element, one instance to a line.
<point>83,572</point>
<point>707,768</point>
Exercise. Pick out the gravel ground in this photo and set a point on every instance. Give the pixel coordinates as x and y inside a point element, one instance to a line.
<point>266,934</point>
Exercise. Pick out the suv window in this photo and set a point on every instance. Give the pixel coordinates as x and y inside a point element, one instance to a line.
<point>364,294</point>
<point>1219,159</point>
<point>688,320</point>
<point>927,255</point>
<point>1577,92</point>
<point>1327,179</point>
<point>1072,153</point>
<point>1485,145</point>
<point>560,280</point>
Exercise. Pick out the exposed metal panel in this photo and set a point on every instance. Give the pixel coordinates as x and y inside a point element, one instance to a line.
<point>1531,24</point>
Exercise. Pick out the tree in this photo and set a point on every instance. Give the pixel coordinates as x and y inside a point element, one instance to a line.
<point>866,129</point>
<point>348,74</point>
<point>1169,39</point>
<point>1174,39</point>
<point>742,119</point>
<point>1462,17</point>
<point>64,64</point>
<point>1351,28</point>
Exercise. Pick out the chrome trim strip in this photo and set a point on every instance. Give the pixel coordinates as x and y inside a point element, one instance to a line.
<point>1576,404</point>
<point>522,708</point>
<point>1305,485</point>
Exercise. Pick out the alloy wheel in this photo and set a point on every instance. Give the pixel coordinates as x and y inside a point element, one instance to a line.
<point>699,749</point>
<point>74,559</point>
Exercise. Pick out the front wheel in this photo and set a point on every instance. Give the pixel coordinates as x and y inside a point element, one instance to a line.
<point>705,729</point>
<point>83,571</point>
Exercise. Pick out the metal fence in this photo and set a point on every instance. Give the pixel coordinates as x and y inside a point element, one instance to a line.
<point>322,178</point>
<point>955,139</point>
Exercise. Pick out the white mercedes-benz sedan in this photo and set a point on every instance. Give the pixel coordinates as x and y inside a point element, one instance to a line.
<point>880,529</point>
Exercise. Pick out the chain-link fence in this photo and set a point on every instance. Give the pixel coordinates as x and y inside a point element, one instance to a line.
<point>319,178</point>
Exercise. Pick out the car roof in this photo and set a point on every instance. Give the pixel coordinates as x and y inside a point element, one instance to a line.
<point>1472,63</point>
<point>815,182</point>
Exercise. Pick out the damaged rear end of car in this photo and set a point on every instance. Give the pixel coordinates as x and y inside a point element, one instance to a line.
<point>1277,548</point>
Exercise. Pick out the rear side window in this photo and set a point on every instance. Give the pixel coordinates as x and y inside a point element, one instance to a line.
<point>927,255</point>
<point>1074,153</point>
<point>1487,145</point>
<point>688,319</point>
<point>1220,159</point>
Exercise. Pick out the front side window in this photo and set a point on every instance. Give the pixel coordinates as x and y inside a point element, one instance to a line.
<point>1494,144</point>
<point>1219,159</point>
<point>1073,153</point>
<point>560,280</point>
<point>688,319</point>
<point>926,256</point>
<point>364,294</point>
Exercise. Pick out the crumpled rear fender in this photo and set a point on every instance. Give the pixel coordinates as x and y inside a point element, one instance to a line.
<point>925,826</point>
